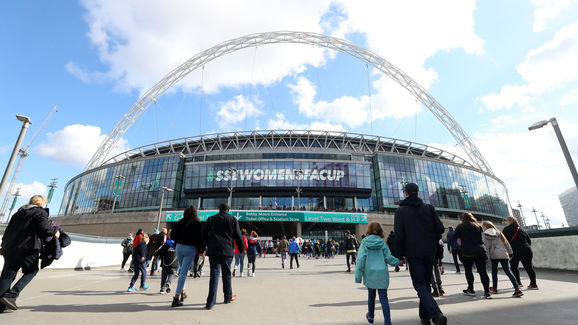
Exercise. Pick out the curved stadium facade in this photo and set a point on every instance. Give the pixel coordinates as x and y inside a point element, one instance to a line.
<point>285,173</point>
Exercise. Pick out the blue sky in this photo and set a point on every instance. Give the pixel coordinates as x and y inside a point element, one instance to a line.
<point>496,66</point>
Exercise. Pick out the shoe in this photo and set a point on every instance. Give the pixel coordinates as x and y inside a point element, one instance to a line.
<point>176,302</point>
<point>183,296</point>
<point>234,272</point>
<point>291,268</point>
<point>435,294</point>
<point>248,271</point>
<point>241,275</point>
<point>425,322</point>
<point>2,308</point>
<point>397,269</point>
<point>487,295</point>
<point>208,307</point>
<point>458,272</point>
<point>152,273</point>
<point>440,319</point>
<point>162,291</point>
<point>469,292</point>
<point>442,292</point>
<point>233,298</point>
<point>131,289</point>
<point>282,266</point>
<point>144,288</point>
<point>442,270</point>
<point>122,270</point>
<point>253,274</point>
<point>348,270</point>
<point>493,290</point>
<point>130,271</point>
<point>532,287</point>
<point>369,319</point>
<point>9,302</point>
<point>168,288</point>
<point>518,293</point>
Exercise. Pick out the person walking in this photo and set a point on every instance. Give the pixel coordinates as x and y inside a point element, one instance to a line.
<point>252,251</point>
<point>139,255</point>
<point>294,252</point>
<point>351,245</point>
<point>374,256</point>
<point>436,280</point>
<point>417,229</point>
<point>473,252</point>
<point>283,248</point>
<point>391,244</point>
<point>187,234</point>
<point>126,250</point>
<point>21,246</point>
<point>240,257</point>
<point>499,252</point>
<point>454,248</point>
<point>219,233</point>
<point>520,242</point>
<point>169,264</point>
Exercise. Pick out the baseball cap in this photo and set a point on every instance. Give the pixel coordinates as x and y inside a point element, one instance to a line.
<point>411,188</point>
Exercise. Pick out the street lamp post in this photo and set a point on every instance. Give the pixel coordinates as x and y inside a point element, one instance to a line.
<point>232,171</point>
<point>25,123</point>
<point>535,215</point>
<point>521,213</point>
<point>554,123</point>
<point>116,188</point>
<point>163,189</point>
<point>298,175</point>
<point>16,195</point>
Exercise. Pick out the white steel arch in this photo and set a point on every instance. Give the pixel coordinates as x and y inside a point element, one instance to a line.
<point>292,37</point>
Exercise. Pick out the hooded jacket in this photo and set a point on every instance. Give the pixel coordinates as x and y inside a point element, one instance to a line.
<point>293,247</point>
<point>495,248</point>
<point>24,233</point>
<point>417,228</point>
<point>372,260</point>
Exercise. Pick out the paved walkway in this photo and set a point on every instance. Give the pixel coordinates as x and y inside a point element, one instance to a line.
<point>317,293</point>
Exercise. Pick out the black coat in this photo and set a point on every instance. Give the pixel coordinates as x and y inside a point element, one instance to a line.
<point>189,232</point>
<point>139,251</point>
<point>521,243</point>
<point>219,232</point>
<point>391,244</point>
<point>471,237</point>
<point>417,228</point>
<point>25,231</point>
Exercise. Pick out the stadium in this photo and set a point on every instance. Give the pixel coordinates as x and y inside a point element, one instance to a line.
<point>304,182</point>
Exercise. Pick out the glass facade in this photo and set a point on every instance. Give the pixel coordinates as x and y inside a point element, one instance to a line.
<point>327,181</point>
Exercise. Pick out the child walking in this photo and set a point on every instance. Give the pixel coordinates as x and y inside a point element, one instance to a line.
<point>372,260</point>
<point>139,256</point>
<point>169,264</point>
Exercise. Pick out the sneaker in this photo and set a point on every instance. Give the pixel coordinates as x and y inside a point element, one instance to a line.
<point>469,292</point>
<point>518,293</point>
<point>493,290</point>
<point>369,319</point>
<point>532,287</point>
<point>122,270</point>
<point>162,291</point>
<point>9,302</point>
<point>168,288</point>
<point>487,295</point>
<point>253,274</point>
<point>442,292</point>
<point>242,275</point>
<point>130,271</point>
<point>144,288</point>
<point>131,289</point>
<point>440,319</point>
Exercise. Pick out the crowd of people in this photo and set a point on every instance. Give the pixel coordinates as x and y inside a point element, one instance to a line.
<point>415,243</point>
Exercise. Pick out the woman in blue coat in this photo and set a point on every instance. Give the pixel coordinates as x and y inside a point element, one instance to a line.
<point>372,261</point>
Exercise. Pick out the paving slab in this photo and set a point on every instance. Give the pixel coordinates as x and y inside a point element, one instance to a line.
<point>319,292</point>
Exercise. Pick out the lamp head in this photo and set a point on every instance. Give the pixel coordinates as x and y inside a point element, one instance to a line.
<point>24,119</point>
<point>538,125</point>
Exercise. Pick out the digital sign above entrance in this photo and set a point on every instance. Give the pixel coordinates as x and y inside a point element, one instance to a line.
<point>276,174</point>
<point>278,216</point>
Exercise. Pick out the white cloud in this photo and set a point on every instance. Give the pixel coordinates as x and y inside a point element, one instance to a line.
<point>238,109</point>
<point>76,144</point>
<point>570,98</point>
<point>548,10</point>
<point>550,66</point>
<point>280,122</point>
<point>29,190</point>
<point>509,121</point>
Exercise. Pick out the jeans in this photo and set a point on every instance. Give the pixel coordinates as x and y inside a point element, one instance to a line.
<point>526,258</point>
<point>219,264</point>
<point>185,255</point>
<point>352,255</point>
<point>384,304</point>
<point>456,254</point>
<point>436,276</point>
<point>139,267</point>
<point>480,262</point>
<point>29,266</point>
<point>420,270</point>
<point>296,257</point>
<point>506,267</point>
<point>239,260</point>
<point>283,258</point>
<point>125,257</point>
<point>167,274</point>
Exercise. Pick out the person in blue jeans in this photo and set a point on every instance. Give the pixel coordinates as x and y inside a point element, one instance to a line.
<point>372,260</point>
<point>139,256</point>
<point>187,233</point>
<point>418,229</point>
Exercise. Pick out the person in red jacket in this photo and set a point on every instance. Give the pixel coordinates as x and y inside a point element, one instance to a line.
<point>240,257</point>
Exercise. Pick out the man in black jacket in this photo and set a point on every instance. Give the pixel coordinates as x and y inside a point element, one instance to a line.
<point>417,229</point>
<point>21,245</point>
<point>219,233</point>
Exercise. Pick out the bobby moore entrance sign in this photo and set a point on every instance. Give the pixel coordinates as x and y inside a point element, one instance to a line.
<point>278,216</point>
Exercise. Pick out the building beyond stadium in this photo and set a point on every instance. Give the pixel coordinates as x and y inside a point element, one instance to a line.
<point>342,179</point>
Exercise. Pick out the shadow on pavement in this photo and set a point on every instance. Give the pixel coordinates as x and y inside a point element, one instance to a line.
<point>112,308</point>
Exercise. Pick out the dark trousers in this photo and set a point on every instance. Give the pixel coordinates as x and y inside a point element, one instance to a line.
<point>456,254</point>
<point>526,258</point>
<point>384,304</point>
<point>480,262</point>
<point>420,270</point>
<point>167,275</point>
<point>251,262</point>
<point>296,257</point>
<point>29,266</point>
<point>352,256</point>
<point>219,264</point>
<point>139,268</point>
<point>125,257</point>
<point>506,268</point>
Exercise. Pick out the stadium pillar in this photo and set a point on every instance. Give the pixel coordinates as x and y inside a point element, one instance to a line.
<point>299,230</point>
